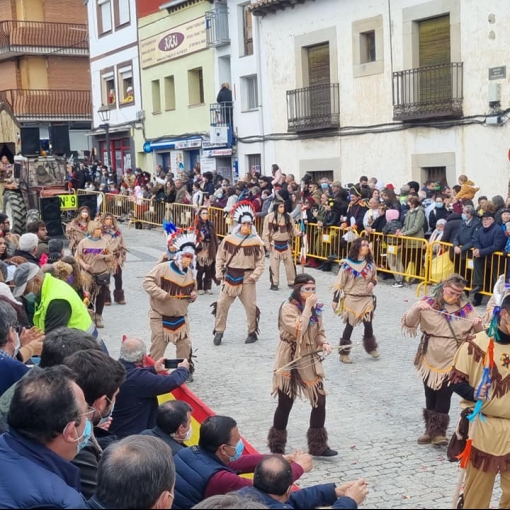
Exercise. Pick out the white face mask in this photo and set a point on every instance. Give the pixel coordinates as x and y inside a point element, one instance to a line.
<point>187,437</point>
<point>17,345</point>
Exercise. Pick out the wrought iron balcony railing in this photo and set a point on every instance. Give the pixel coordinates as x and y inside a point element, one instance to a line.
<point>221,113</point>
<point>40,38</point>
<point>313,108</point>
<point>428,92</point>
<point>49,105</point>
<point>216,24</point>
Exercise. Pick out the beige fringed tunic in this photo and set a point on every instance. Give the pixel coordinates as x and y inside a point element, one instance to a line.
<point>437,347</point>
<point>76,231</point>
<point>117,246</point>
<point>278,234</point>
<point>352,281</point>
<point>300,335</point>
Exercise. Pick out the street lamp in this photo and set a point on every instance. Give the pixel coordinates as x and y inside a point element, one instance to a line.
<point>104,115</point>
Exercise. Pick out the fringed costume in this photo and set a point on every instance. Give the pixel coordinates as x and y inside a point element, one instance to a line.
<point>239,264</point>
<point>76,232</point>
<point>118,249</point>
<point>206,256</point>
<point>356,303</point>
<point>444,328</point>
<point>278,236</point>
<point>171,288</point>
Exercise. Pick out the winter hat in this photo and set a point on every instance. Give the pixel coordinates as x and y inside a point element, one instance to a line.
<point>392,214</point>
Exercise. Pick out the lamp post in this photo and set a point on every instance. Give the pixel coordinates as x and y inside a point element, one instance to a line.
<point>104,115</point>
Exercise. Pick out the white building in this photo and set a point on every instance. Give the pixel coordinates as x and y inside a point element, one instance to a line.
<point>396,89</point>
<point>115,75</point>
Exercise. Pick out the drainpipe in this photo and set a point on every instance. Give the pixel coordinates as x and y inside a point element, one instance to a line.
<point>261,89</point>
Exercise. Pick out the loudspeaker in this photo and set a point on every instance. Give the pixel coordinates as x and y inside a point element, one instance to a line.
<point>50,214</point>
<point>59,139</point>
<point>90,201</point>
<point>30,141</point>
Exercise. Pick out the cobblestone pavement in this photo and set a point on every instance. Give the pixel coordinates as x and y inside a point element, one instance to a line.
<point>373,406</point>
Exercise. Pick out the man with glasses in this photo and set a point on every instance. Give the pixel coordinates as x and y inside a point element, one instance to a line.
<point>446,319</point>
<point>11,370</point>
<point>49,423</point>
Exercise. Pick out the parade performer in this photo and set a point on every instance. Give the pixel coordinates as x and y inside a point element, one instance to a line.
<point>445,318</point>
<point>239,264</point>
<point>278,236</point>
<point>481,376</point>
<point>354,298</point>
<point>94,255</point>
<point>112,234</point>
<point>298,370</point>
<point>171,287</point>
<point>76,230</point>
<point>206,234</point>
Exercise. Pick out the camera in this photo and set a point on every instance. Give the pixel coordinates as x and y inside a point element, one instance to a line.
<point>172,363</point>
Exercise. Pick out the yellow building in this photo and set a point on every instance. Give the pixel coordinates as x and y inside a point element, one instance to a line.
<point>177,81</point>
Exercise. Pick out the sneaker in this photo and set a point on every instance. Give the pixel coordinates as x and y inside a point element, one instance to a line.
<point>251,338</point>
<point>208,291</point>
<point>274,287</point>
<point>397,285</point>
<point>217,338</point>
<point>200,292</point>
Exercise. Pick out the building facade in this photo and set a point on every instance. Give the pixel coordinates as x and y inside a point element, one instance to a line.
<point>399,90</point>
<point>44,70</point>
<point>177,80</point>
<point>115,78</point>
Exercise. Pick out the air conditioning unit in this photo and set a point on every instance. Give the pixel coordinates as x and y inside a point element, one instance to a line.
<point>140,115</point>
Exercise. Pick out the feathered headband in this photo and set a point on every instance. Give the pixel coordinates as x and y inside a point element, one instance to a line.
<point>243,212</point>
<point>184,240</point>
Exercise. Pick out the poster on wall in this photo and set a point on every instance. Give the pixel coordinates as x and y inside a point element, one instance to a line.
<point>176,162</point>
<point>207,164</point>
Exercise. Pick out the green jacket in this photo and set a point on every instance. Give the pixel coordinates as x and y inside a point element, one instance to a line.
<point>52,289</point>
<point>413,227</point>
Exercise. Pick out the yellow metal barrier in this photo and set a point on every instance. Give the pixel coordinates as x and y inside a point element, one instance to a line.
<point>100,198</point>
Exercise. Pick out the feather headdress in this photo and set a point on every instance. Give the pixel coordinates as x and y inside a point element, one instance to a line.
<point>184,240</point>
<point>243,212</point>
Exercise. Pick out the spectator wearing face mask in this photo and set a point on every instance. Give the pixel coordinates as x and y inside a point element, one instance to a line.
<point>267,202</point>
<point>438,213</point>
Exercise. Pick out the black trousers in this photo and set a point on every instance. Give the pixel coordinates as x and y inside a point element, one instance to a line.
<point>117,277</point>
<point>369,330</point>
<point>104,292</point>
<point>205,276</point>
<point>438,400</point>
<point>285,403</point>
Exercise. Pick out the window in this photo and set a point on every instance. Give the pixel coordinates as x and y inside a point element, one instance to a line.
<point>126,91</point>
<point>247,30</point>
<point>367,46</point>
<point>250,92</point>
<point>196,86</point>
<point>108,95</point>
<point>169,93</point>
<point>104,16</point>
<point>121,12</point>
<point>254,163</point>
<point>156,97</point>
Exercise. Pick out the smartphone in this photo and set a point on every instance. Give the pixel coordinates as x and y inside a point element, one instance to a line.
<point>172,363</point>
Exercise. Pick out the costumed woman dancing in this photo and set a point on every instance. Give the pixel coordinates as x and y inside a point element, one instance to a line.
<point>354,298</point>
<point>206,257</point>
<point>446,318</point>
<point>77,229</point>
<point>298,370</point>
<point>97,262</point>
<point>113,235</point>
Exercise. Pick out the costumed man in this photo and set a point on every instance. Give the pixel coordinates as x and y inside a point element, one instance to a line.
<point>354,298</point>
<point>206,257</point>
<point>113,235</point>
<point>446,318</point>
<point>278,236</point>
<point>481,375</point>
<point>239,264</point>
<point>171,287</point>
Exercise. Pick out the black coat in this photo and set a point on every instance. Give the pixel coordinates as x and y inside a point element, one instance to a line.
<point>451,228</point>
<point>175,446</point>
<point>466,235</point>
<point>224,96</point>
<point>437,214</point>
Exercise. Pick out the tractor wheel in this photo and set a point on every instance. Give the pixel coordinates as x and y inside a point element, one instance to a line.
<point>16,210</point>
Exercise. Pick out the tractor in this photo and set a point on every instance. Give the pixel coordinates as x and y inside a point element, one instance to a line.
<point>35,178</point>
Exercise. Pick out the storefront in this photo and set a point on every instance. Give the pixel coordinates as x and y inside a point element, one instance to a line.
<point>175,155</point>
<point>219,160</point>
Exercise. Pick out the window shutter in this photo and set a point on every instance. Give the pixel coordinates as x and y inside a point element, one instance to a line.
<point>318,65</point>
<point>435,41</point>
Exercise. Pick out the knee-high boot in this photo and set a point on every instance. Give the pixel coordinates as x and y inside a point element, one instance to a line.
<point>426,437</point>
<point>318,443</point>
<point>438,425</point>
<point>118,295</point>
<point>344,353</point>
<point>370,345</point>
<point>276,440</point>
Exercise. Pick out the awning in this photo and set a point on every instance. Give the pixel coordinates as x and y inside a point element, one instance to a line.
<point>176,144</point>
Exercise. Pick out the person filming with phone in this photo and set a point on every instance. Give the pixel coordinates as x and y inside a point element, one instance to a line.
<point>136,405</point>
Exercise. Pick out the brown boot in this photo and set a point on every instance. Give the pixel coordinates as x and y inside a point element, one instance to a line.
<point>438,426</point>
<point>318,443</point>
<point>344,353</point>
<point>276,440</point>
<point>99,321</point>
<point>370,345</point>
<point>118,295</point>
<point>426,437</point>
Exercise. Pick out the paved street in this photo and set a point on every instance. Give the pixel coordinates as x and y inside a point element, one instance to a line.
<point>374,406</point>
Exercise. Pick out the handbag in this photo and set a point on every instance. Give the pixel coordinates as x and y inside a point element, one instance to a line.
<point>102,279</point>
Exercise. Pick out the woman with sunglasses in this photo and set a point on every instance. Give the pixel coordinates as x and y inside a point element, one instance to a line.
<point>354,298</point>
<point>206,236</point>
<point>298,370</point>
<point>445,318</point>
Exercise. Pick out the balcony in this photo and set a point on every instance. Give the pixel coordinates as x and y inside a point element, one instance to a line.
<point>222,123</point>
<point>428,92</point>
<point>40,38</point>
<point>216,25</point>
<point>49,105</point>
<point>313,108</point>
